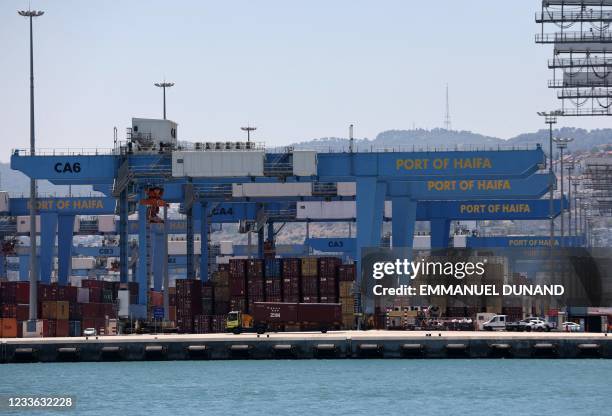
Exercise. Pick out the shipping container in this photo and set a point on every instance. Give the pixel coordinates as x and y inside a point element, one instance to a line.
<point>8,328</point>
<point>328,266</point>
<point>320,313</point>
<point>106,223</point>
<point>273,267</point>
<point>346,273</point>
<point>309,266</point>
<point>262,190</point>
<point>74,329</point>
<point>275,312</point>
<point>18,311</point>
<point>15,292</point>
<point>328,210</point>
<point>83,295</point>
<point>62,328</point>
<point>211,164</point>
<point>304,162</point>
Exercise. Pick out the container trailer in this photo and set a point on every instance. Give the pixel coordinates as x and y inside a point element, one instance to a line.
<point>319,316</point>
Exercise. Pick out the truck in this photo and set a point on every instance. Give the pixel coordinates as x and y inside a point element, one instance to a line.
<point>320,316</point>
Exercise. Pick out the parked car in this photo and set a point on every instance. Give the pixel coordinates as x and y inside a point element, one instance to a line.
<point>89,332</point>
<point>536,324</point>
<point>571,327</point>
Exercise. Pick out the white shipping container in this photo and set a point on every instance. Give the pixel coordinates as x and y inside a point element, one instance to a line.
<point>223,259</point>
<point>422,242</point>
<point>271,189</point>
<point>123,295</point>
<point>213,164</point>
<point>226,247</point>
<point>76,281</point>
<point>347,188</point>
<point>4,201</point>
<point>326,210</point>
<point>180,247</point>
<point>83,263</point>
<point>23,224</point>
<point>388,209</point>
<point>106,223</point>
<point>459,241</point>
<point>83,295</point>
<point>304,162</point>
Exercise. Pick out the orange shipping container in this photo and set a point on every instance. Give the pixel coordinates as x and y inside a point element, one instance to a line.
<point>8,328</point>
<point>49,309</point>
<point>62,310</point>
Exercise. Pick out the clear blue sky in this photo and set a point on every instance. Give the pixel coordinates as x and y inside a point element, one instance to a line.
<point>296,69</point>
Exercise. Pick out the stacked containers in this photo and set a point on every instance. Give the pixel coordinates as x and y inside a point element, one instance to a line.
<point>172,303</point>
<point>328,279</point>
<point>237,285</point>
<point>208,301</point>
<point>291,280</point>
<point>255,282</point>
<point>273,280</point>
<point>188,303</point>
<point>346,285</point>
<point>310,280</point>
<point>14,308</point>
<point>201,324</point>
<point>220,281</point>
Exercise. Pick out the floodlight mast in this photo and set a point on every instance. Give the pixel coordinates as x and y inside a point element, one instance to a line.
<point>33,309</point>
<point>164,85</point>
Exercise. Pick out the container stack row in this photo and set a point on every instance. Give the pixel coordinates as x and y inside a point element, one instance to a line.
<point>63,311</point>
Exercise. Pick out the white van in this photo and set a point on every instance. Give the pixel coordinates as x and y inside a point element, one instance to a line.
<point>497,323</point>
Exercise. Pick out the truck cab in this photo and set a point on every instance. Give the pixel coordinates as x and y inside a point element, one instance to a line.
<point>238,322</point>
<point>496,323</point>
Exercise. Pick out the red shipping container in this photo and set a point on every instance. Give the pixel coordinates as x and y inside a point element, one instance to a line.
<point>238,304</point>
<point>157,298</point>
<point>237,267</point>
<point>52,327</point>
<point>328,266</point>
<point>255,268</point>
<point>17,311</point>
<point>291,267</point>
<point>310,286</point>
<point>67,293</point>
<point>237,286</point>
<point>346,273</point>
<point>328,287</point>
<point>201,324</point>
<point>256,288</point>
<point>95,294</point>
<point>93,283</point>
<point>15,292</point>
<point>62,328</point>
<point>273,288</point>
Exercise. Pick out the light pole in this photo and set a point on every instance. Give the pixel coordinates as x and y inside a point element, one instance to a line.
<point>562,143</point>
<point>570,169</point>
<point>33,309</point>
<point>164,85</point>
<point>575,207</point>
<point>550,118</point>
<point>248,130</point>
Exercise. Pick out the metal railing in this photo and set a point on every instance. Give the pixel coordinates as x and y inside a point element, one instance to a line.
<point>558,16</point>
<point>569,37</point>
<point>64,152</point>
<point>579,83</point>
<point>214,191</point>
<point>583,62</point>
